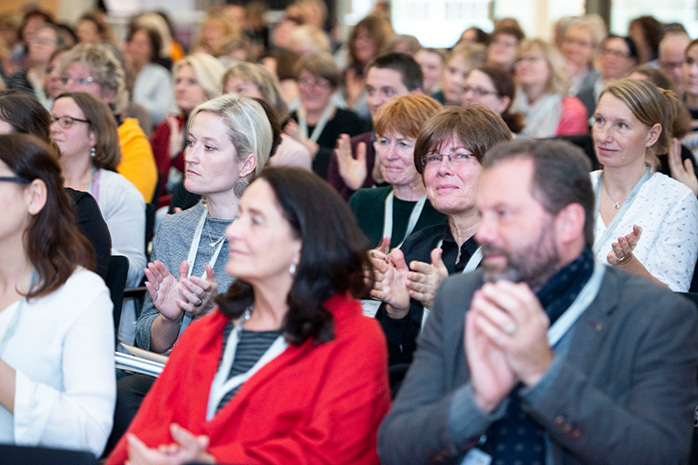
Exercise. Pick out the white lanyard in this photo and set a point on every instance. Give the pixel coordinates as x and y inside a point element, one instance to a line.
<point>191,258</point>
<point>610,229</point>
<point>221,384</point>
<point>388,217</point>
<point>319,127</point>
<point>93,185</point>
<point>12,325</point>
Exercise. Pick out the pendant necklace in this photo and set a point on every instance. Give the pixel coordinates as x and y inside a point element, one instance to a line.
<point>213,243</point>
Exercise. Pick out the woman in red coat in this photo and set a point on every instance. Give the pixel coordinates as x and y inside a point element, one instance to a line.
<point>287,370</point>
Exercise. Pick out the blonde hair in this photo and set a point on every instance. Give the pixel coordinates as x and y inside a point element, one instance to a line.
<point>650,105</point>
<point>474,55</point>
<point>312,34</point>
<point>261,77</point>
<point>557,82</point>
<point>207,69</point>
<point>248,127</point>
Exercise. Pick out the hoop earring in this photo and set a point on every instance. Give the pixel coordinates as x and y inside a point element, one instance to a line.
<point>239,187</point>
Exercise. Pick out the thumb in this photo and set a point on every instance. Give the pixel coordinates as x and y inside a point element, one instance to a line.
<point>688,164</point>
<point>398,259</point>
<point>210,275</point>
<point>436,260</point>
<point>183,269</point>
<point>384,245</point>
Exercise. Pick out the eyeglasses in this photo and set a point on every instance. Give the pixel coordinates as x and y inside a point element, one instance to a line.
<point>435,159</point>
<point>479,91</point>
<point>66,122</point>
<point>579,42</point>
<point>309,82</point>
<point>531,59</point>
<point>615,53</point>
<point>17,179</point>
<point>84,81</point>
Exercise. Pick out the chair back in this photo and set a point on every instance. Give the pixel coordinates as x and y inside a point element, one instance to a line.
<point>116,282</point>
<point>25,455</point>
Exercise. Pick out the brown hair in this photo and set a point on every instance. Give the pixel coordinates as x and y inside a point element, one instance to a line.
<point>477,128</point>
<point>504,84</point>
<point>379,30</point>
<point>320,64</point>
<point>107,149</point>
<point>52,240</point>
<point>405,115</point>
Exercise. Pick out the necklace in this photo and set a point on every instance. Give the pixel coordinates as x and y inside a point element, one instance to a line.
<point>616,205</point>
<point>213,243</point>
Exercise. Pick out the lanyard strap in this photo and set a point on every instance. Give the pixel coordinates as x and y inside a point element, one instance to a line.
<point>222,385</point>
<point>388,217</point>
<point>12,326</point>
<point>319,127</point>
<point>93,185</point>
<point>610,229</point>
<point>191,259</point>
<point>580,304</point>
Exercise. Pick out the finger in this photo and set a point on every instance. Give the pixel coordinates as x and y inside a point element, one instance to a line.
<point>191,287</point>
<point>380,266</point>
<point>688,164</point>
<point>436,259</point>
<point>420,267</point>
<point>637,230</point>
<point>202,285</point>
<point>151,290</point>
<point>361,152</point>
<point>493,316</point>
<point>182,436</point>
<point>210,274</point>
<point>618,252</point>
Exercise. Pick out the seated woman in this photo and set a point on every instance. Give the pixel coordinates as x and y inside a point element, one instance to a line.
<point>646,222</point>
<point>228,142</point>
<point>493,87</point>
<point>388,215</point>
<point>287,370</point>
<point>86,134</point>
<point>252,80</point>
<point>448,156</point>
<point>318,123</point>
<point>24,114</point>
<point>196,79</point>
<point>57,349</point>
<point>541,95</point>
<point>95,70</point>
<point>459,62</point>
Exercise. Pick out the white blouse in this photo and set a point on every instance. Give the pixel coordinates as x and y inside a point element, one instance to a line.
<point>667,211</point>
<point>63,352</point>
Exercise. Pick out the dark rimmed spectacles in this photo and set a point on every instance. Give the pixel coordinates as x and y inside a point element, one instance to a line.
<point>17,179</point>
<point>66,122</point>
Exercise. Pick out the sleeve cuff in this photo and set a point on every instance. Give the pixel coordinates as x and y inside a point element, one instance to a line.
<point>466,420</point>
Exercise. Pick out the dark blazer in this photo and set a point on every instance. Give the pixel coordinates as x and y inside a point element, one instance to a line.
<point>624,393</point>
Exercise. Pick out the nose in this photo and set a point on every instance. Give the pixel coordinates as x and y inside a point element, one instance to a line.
<point>602,133</point>
<point>486,231</point>
<point>231,232</point>
<point>445,166</point>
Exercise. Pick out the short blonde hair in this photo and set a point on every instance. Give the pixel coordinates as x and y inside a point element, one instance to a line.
<point>557,82</point>
<point>207,69</point>
<point>309,33</point>
<point>320,64</point>
<point>248,127</point>
<point>261,77</point>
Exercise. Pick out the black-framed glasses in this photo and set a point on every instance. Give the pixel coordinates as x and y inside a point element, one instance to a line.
<point>479,91</point>
<point>66,122</point>
<point>17,179</point>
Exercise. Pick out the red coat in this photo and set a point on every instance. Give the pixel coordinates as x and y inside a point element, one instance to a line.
<point>310,405</point>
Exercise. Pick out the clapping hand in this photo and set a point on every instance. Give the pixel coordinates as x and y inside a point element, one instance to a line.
<point>162,287</point>
<point>423,280</point>
<point>352,170</point>
<point>622,251</point>
<point>682,172</point>
<point>186,448</point>
<point>196,294</point>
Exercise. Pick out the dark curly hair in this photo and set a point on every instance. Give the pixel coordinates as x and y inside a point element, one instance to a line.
<point>334,255</point>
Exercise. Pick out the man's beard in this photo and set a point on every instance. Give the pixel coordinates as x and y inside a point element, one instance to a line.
<point>533,265</point>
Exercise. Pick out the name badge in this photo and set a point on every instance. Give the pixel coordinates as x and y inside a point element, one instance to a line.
<point>476,457</point>
<point>370,307</point>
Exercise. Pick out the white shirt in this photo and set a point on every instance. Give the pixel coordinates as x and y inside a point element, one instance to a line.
<point>667,211</point>
<point>63,352</point>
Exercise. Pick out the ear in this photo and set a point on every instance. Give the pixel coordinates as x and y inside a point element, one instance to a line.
<point>654,133</point>
<point>249,165</point>
<point>569,224</point>
<point>504,102</point>
<point>91,137</point>
<point>35,196</point>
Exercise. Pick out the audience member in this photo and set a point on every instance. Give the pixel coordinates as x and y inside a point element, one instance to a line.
<point>432,61</point>
<point>646,32</point>
<point>300,375</point>
<point>493,87</point>
<point>502,46</point>
<point>641,216</point>
<point>57,350</point>
<point>672,50</point>
<point>521,362</point>
<point>459,62</point>
<point>580,45</point>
